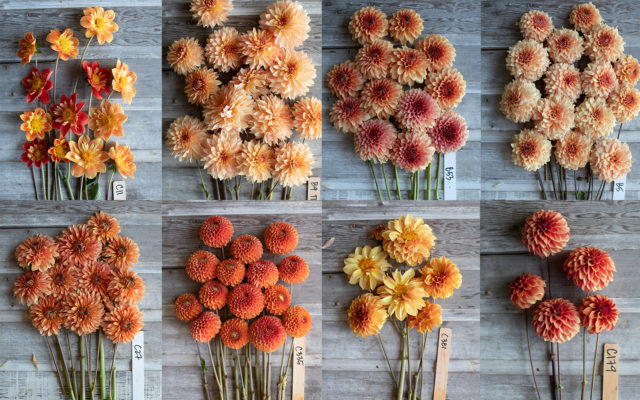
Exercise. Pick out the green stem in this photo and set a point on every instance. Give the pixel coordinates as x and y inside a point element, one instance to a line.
<point>403,365</point>
<point>386,184</point>
<point>272,187</point>
<point>247,358</point>
<point>63,388</point>
<point>395,171</point>
<point>69,190</point>
<point>44,186</point>
<point>203,186</point>
<point>214,368</point>
<point>81,184</point>
<point>103,380</point>
<point>35,185</point>
<point>75,84</point>
<point>417,185</point>
<point>595,361</point>
<point>82,371</point>
<point>420,367</point>
<point>373,171</point>
<point>109,183</point>
<point>112,375</point>
<point>236,380</point>
<point>203,369</point>
<point>386,357</point>
<point>429,182</point>
<point>64,368</point>
<point>438,176</point>
<point>584,362</point>
<point>46,182</point>
<point>114,385</point>
<point>57,171</point>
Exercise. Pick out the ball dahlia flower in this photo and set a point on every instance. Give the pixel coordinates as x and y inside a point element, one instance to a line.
<point>368,24</point>
<point>603,44</point>
<point>223,49</point>
<point>185,55</point>
<point>556,320</point>
<point>402,294</point>
<point>594,117</point>
<point>624,103</point>
<point>366,267</point>
<point>565,46</point>
<point>272,120</point>
<point>262,273</point>
<point>288,22</point>
<point>245,301</point>
<point>417,110</point>
<point>374,139</point>
<point>530,150</point>
<point>37,253</point>
<point>209,13</point>
<point>344,80</point>
<point>307,117</point>
<point>590,268</point>
<point>405,26</point>
<point>234,333</point>
<point>412,151</point>
<point>186,137</point>
<point>221,155</point>
<point>545,233</point>
<point>526,290</point>
<point>201,266</point>
<point>519,100</point>
<point>573,150</point>
<point>535,25</point>
<point>246,249</point>
<point>527,60</point>
<point>187,307</point>
<point>292,74</point>
<point>267,333</point>
<point>281,238</point>
<point>230,272</point>
<point>584,17</point>
<point>366,315</point>
<point>296,321</point>
<point>610,159</point>
<point>554,116</point>
<point>563,80</point>
<point>439,51</point>
<point>293,270</point>
<point>373,59</point>
<point>440,277</point>
<point>427,318</point>
<point>216,231</point>
<point>347,114</point>
<point>408,66</point>
<point>277,299</point>
<point>450,132</point>
<point>380,97</point>
<point>598,79</point>
<point>294,163</point>
<point>213,295</point>
<point>408,240</point>
<point>205,327</point>
<point>598,313</point>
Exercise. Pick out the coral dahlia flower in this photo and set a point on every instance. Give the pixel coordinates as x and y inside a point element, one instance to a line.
<point>598,313</point>
<point>417,110</point>
<point>65,44</point>
<point>526,290</point>
<point>272,120</point>
<point>123,81</point>
<point>530,150</point>
<point>246,249</point>
<point>35,123</point>
<point>599,79</point>
<point>347,114</point>
<point>187,307</point>
<point>307,117</point>
<point>408,240</point>
<point>223,49</point>
<point>405,26</point>
<point>554,116</point>
<point>103,226</point>
<point>216,231</point>
<point>205,327</point>
<point>556,320</point>
<point>584,17</point>
<point>408,66</point>
<point>366,315</point>
<point>292,73</point>
<point>257,161</point>
<point>545,233</point>
<point>293,270</point>
<point>37,253</point>
<point>35,153</point>
<point>210,13</point>
<point>368,24</point>
<point>87,156</point>
<point>281,238</point>
<point>277,299</point>
<point>594,117</point>
<point>294,162</point>
<point>624,103</point>
<point>366,267</point>
<point>107,120</point>
<point>213,295</point>
<point>380,97</point>
<point>200,85</point>
<point>58,152</point>
<point>63,280</point>
<point>46,316</point>
<point>527,60</point>
<point>288,22</point>
<point>221,155</point>
<point>344,80</point>
<point>37,85</point>
<point>186,137</point>
<point>123,323</point>
<point>230,272</point>
<point>374,139</point>
<point>412,151</point>
<point>126,287</point>
<point>94,277</point>
<point>447,87</point>
<point>440,277</point>
<point>77,245</point>
<point>573,150</point>
<point>67,115</point>
<point>202,266</point>
<point>185,55</point>
<point>83,312</point>
<point>519,100</point>
<point>563,80</point>
<point>296,321</point>
<point>427,318</point>
<point>27,48</point>
<point>267,333</point>
<point>535,25</point>
<point>610,159</point>
<point>565,46</point>
<point>627,70</point>
<point>31,286</point>
<point>98,22</point>
<point>121,252</point>
<point>259,48</point>
<point>604,44</point>
<point>245,301</point>
<point>439,51</point>
<point>254,82</point>
<point>229,109</point>
<point>98,78</point>
<point>234,333</point>
<point>450,133</point>
<point>373,59</point>
<point>402,294</point>
<point>262,273</point>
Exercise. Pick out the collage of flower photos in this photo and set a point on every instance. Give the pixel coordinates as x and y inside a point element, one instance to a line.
<point>319,199</point>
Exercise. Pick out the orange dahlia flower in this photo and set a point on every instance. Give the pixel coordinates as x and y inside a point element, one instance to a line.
<point>412,151</point>
<point>213,294</point>
<point>223,49</point>
<point>259,48</point>
<point>535,25</point>
<point>293,270</point>
<point>200,85</point>
<point>59,150</point>
<point>530,150</point>
<point>556,320</point>
<point>598,79</point>
<point>427,318</point>
<point>257,161</point>
<point>98,78</point>
<point>35,153</point>
<point>107,120</point>
<point>205,327</point>
<point>123,323</point>
<point>368,24</point>
<point>254,82</point>
<point>277,299</point>
<point>594,117</point>
<point>87,156</point>
<point>347,114</point>
<point>296,321</point>
<point>402,294</point>
<point>590,268</point>
<point>27,48</point>
<point>307,117</point>
<point>63,43</point>
<point>604,44</point>
<point>234,333</point>
<point>519,100</point>
<point>627,70</point>
<point>123,158</point>
<point>35,123</point>
<point>440,277</point>
<point>272,121</point>
<point>624,103</point>
<point>439,51</point>
<point>408,66</point>
<point>405,26</point>
<point>545,233</point>
<point>527,290</point>
<point>229,109</point>
<point>610,159</point>
<point>121,252</point>
<point>245,301</point>
<point>292,74</point>
<point>83,312</point>
<point>77,245</point>
<point>294,163</point>
<point>246,249</point>
<point>210,13</point>
<point>563,80</point>
<point>216,231</point>
<point>408,240</point>
<point>288,22</point>
<point>554,116</point>
<point>221,155</point>
<point>565,46</point>
<point>374,140</point>
<point>99,22</point>
<point>281,238</point>
<point>345,80</point>
<point>186,137</point>
<point>94,277</point>
<point>37,253</point>
<point>187,307</point>
<point>262,273</point>
<point>573,150</point>
<point>123,81</point>
<point>380,97</point>
<point>598,313</point>
<point>527,60</point>
<point>126,287</point>
<point>46,316</point>
<point>366,315</point>
<point>447,87</point>
<point>373,59</point>
<point>31,286</point>
<point>584,17</point>
<point>184,55</point>
<point>230,272</point>
<point>63,280</point>
<point>267,333</point>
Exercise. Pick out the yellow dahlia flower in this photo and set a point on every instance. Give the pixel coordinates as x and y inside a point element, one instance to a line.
<point>402,294</point>
<point>366,267</point>
<point>408,240</point>
<point>99,22</point>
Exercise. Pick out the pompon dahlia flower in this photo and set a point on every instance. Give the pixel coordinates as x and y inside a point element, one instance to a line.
<point>292,74</point>
<point>408,66</point>
<point>412,151</point>
<point>554,116</point>
<point>259,48</point>
<point>556,320</point>
<point>272,120</point>
<point>35,153</point>
<point>296,321</point>
<point>98,22</point>
<point>374,139</point>
<point>83,312</point>
<point>293,270</point>
<point>254,82</point>
<point>573,150</point>
<point>187,307</point>
<point>288,22</point>
<point>201,266</point>
<point>347,114</point>
<point>221,155</point>
<point>123,159</point>
<point>37,85</point>
<point>267,333</point>
<point>27,48</point>
<point>87,157</point>
<point>185,55</point>
<point>98,78</point>
<point>230,272</point>
<point>610,159</point>
<point>380,97</point>
<point>527,60</point>
<point>245,301</point>
<point>519,100</point>
<point>213,295</point>
<point>123,323</point>
<point>205,327</point>
<point>366,315</point>
<point>46,316</point>
<point>565,46</point>
<point>58,152</point>
<point>216,231</point>
<point>545,233</point>
<point>277,299</point>
<point>408,240</point>
<point>373,59</point>
<point>186,137</point>
<point>417,110</point>
<point>598,313</point>
<point>366,267</point>
<point>94,277</point>
<point>598,79</point>
<point>257,161</point>
<point>37,253</point>
<point>440,277</point>
<point>293,163</point>
<point>201,84</point>
<point>234,333</point>
<point>223,49</point>
<point>123,80</point>
<point>584,17</point>
<point>77,245</point>
<point>126,287</point>
<point>246,249</point>
<point>530,150</point>
<point>447,87</point>
<point>627,70</point>
<point>209,13</point>
<point>65,44</point>
<point>368,24</point>
<point>439,51</point>
<point>402,294</point>
<point>405,26</point>
<point>67,115</point>
<point>427,318</point>
<point>563,80</point>
<point>31,286</point>
<point>526,290</point>
<point>594,117</point>
<point>229,109</point>
<point>262,273</point>
<point>344,80</point>
<point>307,117</point>
<point>107,120</point>
<point>603,44</point>
<point>624,103</point>
<point>63,280</point>
<point>450,132</point>
<point>535,25</point>
<point>281,238</point>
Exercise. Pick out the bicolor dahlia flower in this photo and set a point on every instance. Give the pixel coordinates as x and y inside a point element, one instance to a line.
<point>272,120</point>
<point>35,123</point>
<point>296,321</point>
<point>63,43</point>
<point>27,48</point>
<point>294,162</point>
<point>417,110</point>
<point>402,294</point>
<point>366,315</point>
<point>94,277</point>
<point>624,102</point>
<point>221,155</point>
<point>123,323</point>
<point>563,80</point>
<point>584,17</point>
<point>257,161</point>
<point>186,137</point>
<point>126,287</point>
<point>427,318</point>
<point>589,268</point>
<point>408,240</point>
<point>31,286</point>
<point>98,22</point>
<point>347,114</point>
<point>185,55</point>
<point>526,290</point>
<point>366,267</point>
<point>368,24</point>
<point>535,25</point>
<point>598,313</point>
<point>98,78</point>
<point>201,266</point>
<point>288,22</point>
<point>107,120</point>
<point>594,117</point>
<point>234,333</point>
<point>554,116</point>
<point>37,85</point>
<point>259,48</point>
<point>527,60</point>
<point>293,270</point>
<point>530,150</point>
<point>210,13</point>
<point>223,49</point>
<point>58,152</point>
<point>281,238</point>
<point>408,66</point>
<point>610,159</point>
<point>439,51</point>
<point>245,301</point>
<point>565,46</point>
<point>216,231</point>
<point>229,109</point>
<point>545,233</point>
<point>262,273</point>
<point>412,151</point>
<point>37,253</point>
<point>440,277</point>
<point>374,139</point>
<point>380,97</point>
<point>373,59</point>
<point>556,320</point>
<point>405,26</point>
<point>307,117</point>
<point>77,245</point>
<point>67,115</point>
<point>519,100</point>
<point>573,150</point>
<point>103,226</point>
<point>277,299</point>
<point>450,132</point>
<point>63,280</point>
<point>201,84</point>
<point>35,153</point>
<point>344,80</point>
<point>603,44</point>
<point>292,74</point>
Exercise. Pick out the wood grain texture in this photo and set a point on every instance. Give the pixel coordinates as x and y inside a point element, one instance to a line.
<point>181,225</point>
<point>140,221</point>
<point>355,367</point>
<point>181,180</point>
<point>345,176</point>
<point>612,226</point>
<point>501,179</point>
<point>137,43</point>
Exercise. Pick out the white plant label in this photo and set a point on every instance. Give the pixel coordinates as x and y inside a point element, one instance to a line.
<point>137,366</point>
<point>119,190</point>
<point>299,361</point>
<point>619,187</point>
<point>450,176</point>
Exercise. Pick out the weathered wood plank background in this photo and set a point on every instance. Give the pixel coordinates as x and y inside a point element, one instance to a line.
<point>181,180</point>
<point>19,340</point>
<point>506,372</point>
<point>137,43</point>
<point>181,226</point>
<point>345,176</point>
<point>355,367</point>
<point>501,179</point>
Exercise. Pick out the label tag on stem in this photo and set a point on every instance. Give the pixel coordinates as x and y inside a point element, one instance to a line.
<point>299,360</point>
<point>137,367</point>
<point>313,188</point>
<point>450,173</point>
<point>442,364</point>
<point>119,190</point>
<point>619,187</point>
<point>610,372</point>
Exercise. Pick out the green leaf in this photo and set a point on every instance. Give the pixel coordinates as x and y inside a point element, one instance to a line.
<point>93,189</point>
<point>203,364</point>
<point>38,51</point>
<point>579,179</point>
<point>112,167</point>
<point>582,195</point>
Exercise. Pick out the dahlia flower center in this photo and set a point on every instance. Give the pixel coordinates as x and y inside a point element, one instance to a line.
<point>513,99</point>
<point>375,55</point>
<point>79,246</point>
<point>605,80</point>
<point>449,132</point>
<point>543,225</point>
<point>563,42</point>
<point>209,3</point>
<point>68,115</point>
<point>64,43</point>
<point>198,84</point>
<point>86,156</point>
<point>528,148</point>
<point>181,52</point>
<point>569,79</point>
<point>399,291</point>
<point>418,106</point>
<point>230,48</point>
<point>51,313</point>
<point>448,90</point>
<point>128,282</point>
<point>124,82</point>
<point>572,149</point>
<point>434,52</point>
<point>370,22</point>
<point>96,79</point>
<point>381,91</point>
<point>186,303</point>
<point>106,225</point>
<point>410,235</point>
<point>539,21</point>
<point>281,297</point>
<point>282,21</point>
<point>409,60</point>
<point>604,40</point>
<point>99,23</point>
<point>412,155</point>
<point>629,100</point>
<point>291,68</point>
<point>36,83</point>
<point>106,121</point>
<point>36,124</point>
<point>36,153</point>
<point>367,265</point>
<point>127,324</point>
<point>406,20</point>
<point>235,335</point>
<point>58,278</point>
<point>525,57</point>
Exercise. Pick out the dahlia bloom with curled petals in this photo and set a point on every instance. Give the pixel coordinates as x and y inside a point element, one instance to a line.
<point>296,321</point>
<point>584,17</point>
<point>210,13</point>
<point>594,117</point>
<point>224,50</point>
<point>200,85</point>
<point>257,161</point>
<point>627,70</point>
<point>545,233</point>
<point>245,301</point>
<point>366,267</point>
<point>94,277</point>
<point>83,312</point>
<point>187,307</point>
<point>439,51</point>
<point>347,114</point>
<point>554,116</point>
<point>373,59</point>
<point>565,46</point>
<point>368,24</point>
<point>216,231</point>
<point>281,238</point>
<point>412,151</point>
<point>292,74</point>
<point>37,253</point>
<point>37,85</point>
<point>573,150</point>
<point>610,159</point>
<point>519,100</point>
<point>563,80</point>
<point>408,66</point>
<point>31,286</point>
<point>427,318</point>
<point>447,87</point>
<point>535,25</point>
<point>63,280</point>
<point>46,316</point>
<point>624,103</point>
<point>186,137</point>
<point>527,290</point>
<point>530,150</point>
<point>121,252</point>
<point>205,327</point>
<point>527,60</point>
<point>556,320</point>
<point>598,79</point>
<point>254,82</point>
<point>366,315</point>
<point>77,245</point>
<point>598,313</point>
<point>201,266</point>
<point>277,299</point>
<point>604,44</point>
<point>272,120</point>
<point>246,249</point>
<point>344,79</point>
<point>450,132</point>
<point>589,268</point>
<point>126,287</point>
<point>234,333</point>
<point>405,26</point>
<point>259,48</point>
<point>402,294</point>
<point>58,152</point>
<point>380,97</point>
<point>417,110</point>
<point>294,162</point>
<point>288,22</point>
<point>267,333</point>
<point>185,55</point>
<point>221,155</point>
<point>374,139</point>
<point>307,117</point>
<point>408,240</point>
<point>123,323</point>
<point>440,277</point>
